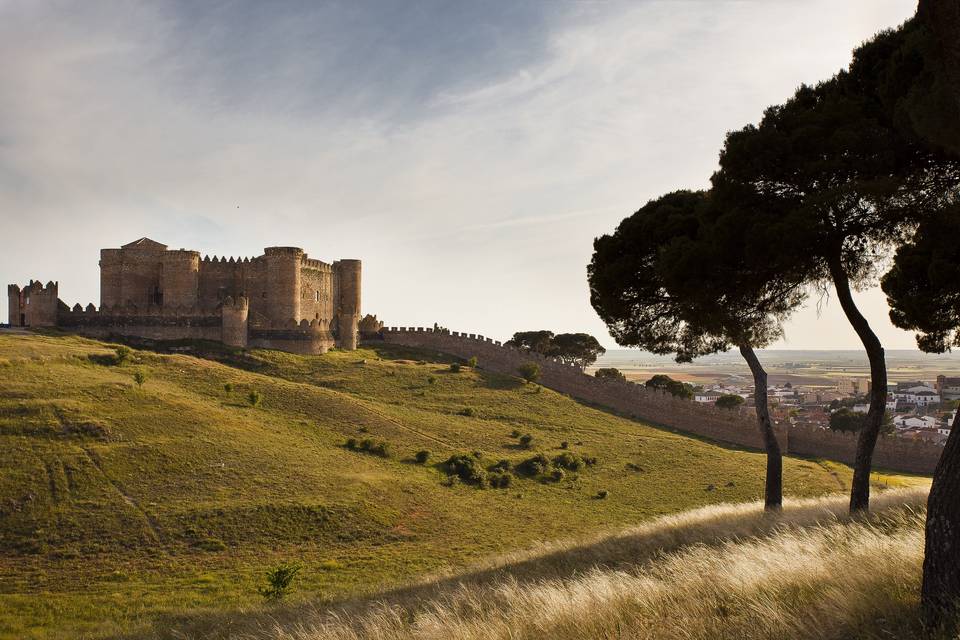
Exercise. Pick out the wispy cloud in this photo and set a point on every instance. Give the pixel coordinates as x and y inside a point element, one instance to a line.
<point>468,152</point>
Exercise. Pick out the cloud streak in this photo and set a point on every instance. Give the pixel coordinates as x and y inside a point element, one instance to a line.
<point>467,152</point>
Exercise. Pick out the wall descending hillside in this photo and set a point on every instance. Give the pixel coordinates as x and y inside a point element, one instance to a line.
<point>734,426</point>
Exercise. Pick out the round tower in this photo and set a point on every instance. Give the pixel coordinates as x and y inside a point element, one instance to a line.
<point>233,319</point>
<point>283,284</point>
<point>348,281</point>
<point>179,278</point>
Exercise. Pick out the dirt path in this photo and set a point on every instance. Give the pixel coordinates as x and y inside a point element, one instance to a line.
<point>151,522</point>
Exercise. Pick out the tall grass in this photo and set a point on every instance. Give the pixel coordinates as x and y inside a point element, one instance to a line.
<point>725,571</point>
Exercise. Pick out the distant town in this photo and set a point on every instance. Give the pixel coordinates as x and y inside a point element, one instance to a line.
<point>820,389</point>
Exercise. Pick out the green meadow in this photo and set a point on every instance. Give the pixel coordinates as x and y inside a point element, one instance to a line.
<point>125,509</point>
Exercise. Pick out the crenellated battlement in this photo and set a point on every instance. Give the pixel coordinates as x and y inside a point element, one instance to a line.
<point>735,426</point>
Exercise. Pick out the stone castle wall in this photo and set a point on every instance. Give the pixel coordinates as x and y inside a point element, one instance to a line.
<point>733,426</point>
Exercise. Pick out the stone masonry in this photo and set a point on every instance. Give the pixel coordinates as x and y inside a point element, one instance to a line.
<point>280,300</point>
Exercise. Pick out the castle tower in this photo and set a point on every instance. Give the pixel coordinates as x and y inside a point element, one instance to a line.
<point>348,279</point>
<point>234,313</point>
<point>13,299</point>
<point>111,270</point>
<point>179,278</point>
<point>35,305</point>
<point>283,284</point>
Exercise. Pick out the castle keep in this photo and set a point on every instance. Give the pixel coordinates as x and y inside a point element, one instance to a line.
<point>280,300</point>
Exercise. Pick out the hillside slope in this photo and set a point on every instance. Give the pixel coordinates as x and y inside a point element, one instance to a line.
<point>120,505</point>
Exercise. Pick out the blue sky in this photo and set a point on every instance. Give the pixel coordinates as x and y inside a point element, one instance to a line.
<point>467,152</point>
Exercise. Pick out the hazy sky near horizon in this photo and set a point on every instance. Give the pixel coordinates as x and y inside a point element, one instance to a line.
<point>467,152</point>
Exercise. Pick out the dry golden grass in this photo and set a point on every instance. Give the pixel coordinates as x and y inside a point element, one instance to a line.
<point>724,571</point>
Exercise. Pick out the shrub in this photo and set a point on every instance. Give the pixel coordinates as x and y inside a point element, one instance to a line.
<point>139,378</point>
<point>564,445</point>
<point>472,362</point>
<point>569,461</point>
<point>455,367</point>
<point>610,373</point>
<point>431,379</point>
<point>526,440</point>
<point>589,460</point>
<point>558,474</point>
<point>534,466</point>
<point>467,468</point>
<point>529,371</point>
<point>351,444</point>
<point>515,433</point>
<point>228,387</point>
<point>422,456</point>
<point>478,454</point>
<point>123,354</point>
<point>279,581</point>
<point>381,449</point>
<point>254,398</point>
<point>602,494</point>
<point>466,411</point>
<point>729,401</point>
<point>501,480</point>
<point>503,465</point>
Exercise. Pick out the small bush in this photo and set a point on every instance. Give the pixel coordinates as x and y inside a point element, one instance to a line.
<point>478,454</point>
<point>351,444</point>
<point>589,460</point>
<point>123,354</point>
<point>501,480</point>
<point>569,461</point>
<point>366,444</point>
<point>422,456</point>
<point>210,544</point>
<point>228,387</point>
<point>503,465</point>
<point>535,466</point>
<point>558,474</point>
<point>381,449</point>
<point>529,371</point>
<point>279,580</point>
<point>455,367</point>
<point>564,445</point>
<point>254,398</point>
<point>431,379</point>
<point>472,362</point>
<point>139,378</point>
<point>467,468</point>
<point>526,440</point>
<point>466,411</point>
<point>602,494</point>
<point>515,433</point>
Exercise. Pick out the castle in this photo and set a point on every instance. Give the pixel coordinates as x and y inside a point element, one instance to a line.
<point>281,300</point>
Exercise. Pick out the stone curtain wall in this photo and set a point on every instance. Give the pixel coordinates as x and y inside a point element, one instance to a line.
<point>734,426</point>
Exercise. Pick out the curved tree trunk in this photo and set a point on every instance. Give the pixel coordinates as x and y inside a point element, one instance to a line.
<point>860,489</point>
<point>940,593</point>
<point>773,487</point>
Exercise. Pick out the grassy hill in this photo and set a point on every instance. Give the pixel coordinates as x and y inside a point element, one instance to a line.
<point>121,506</point>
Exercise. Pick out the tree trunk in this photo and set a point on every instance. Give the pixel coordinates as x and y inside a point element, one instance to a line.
<point>773,487</point>
<point>867,440</point>
<point>940,593</point>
